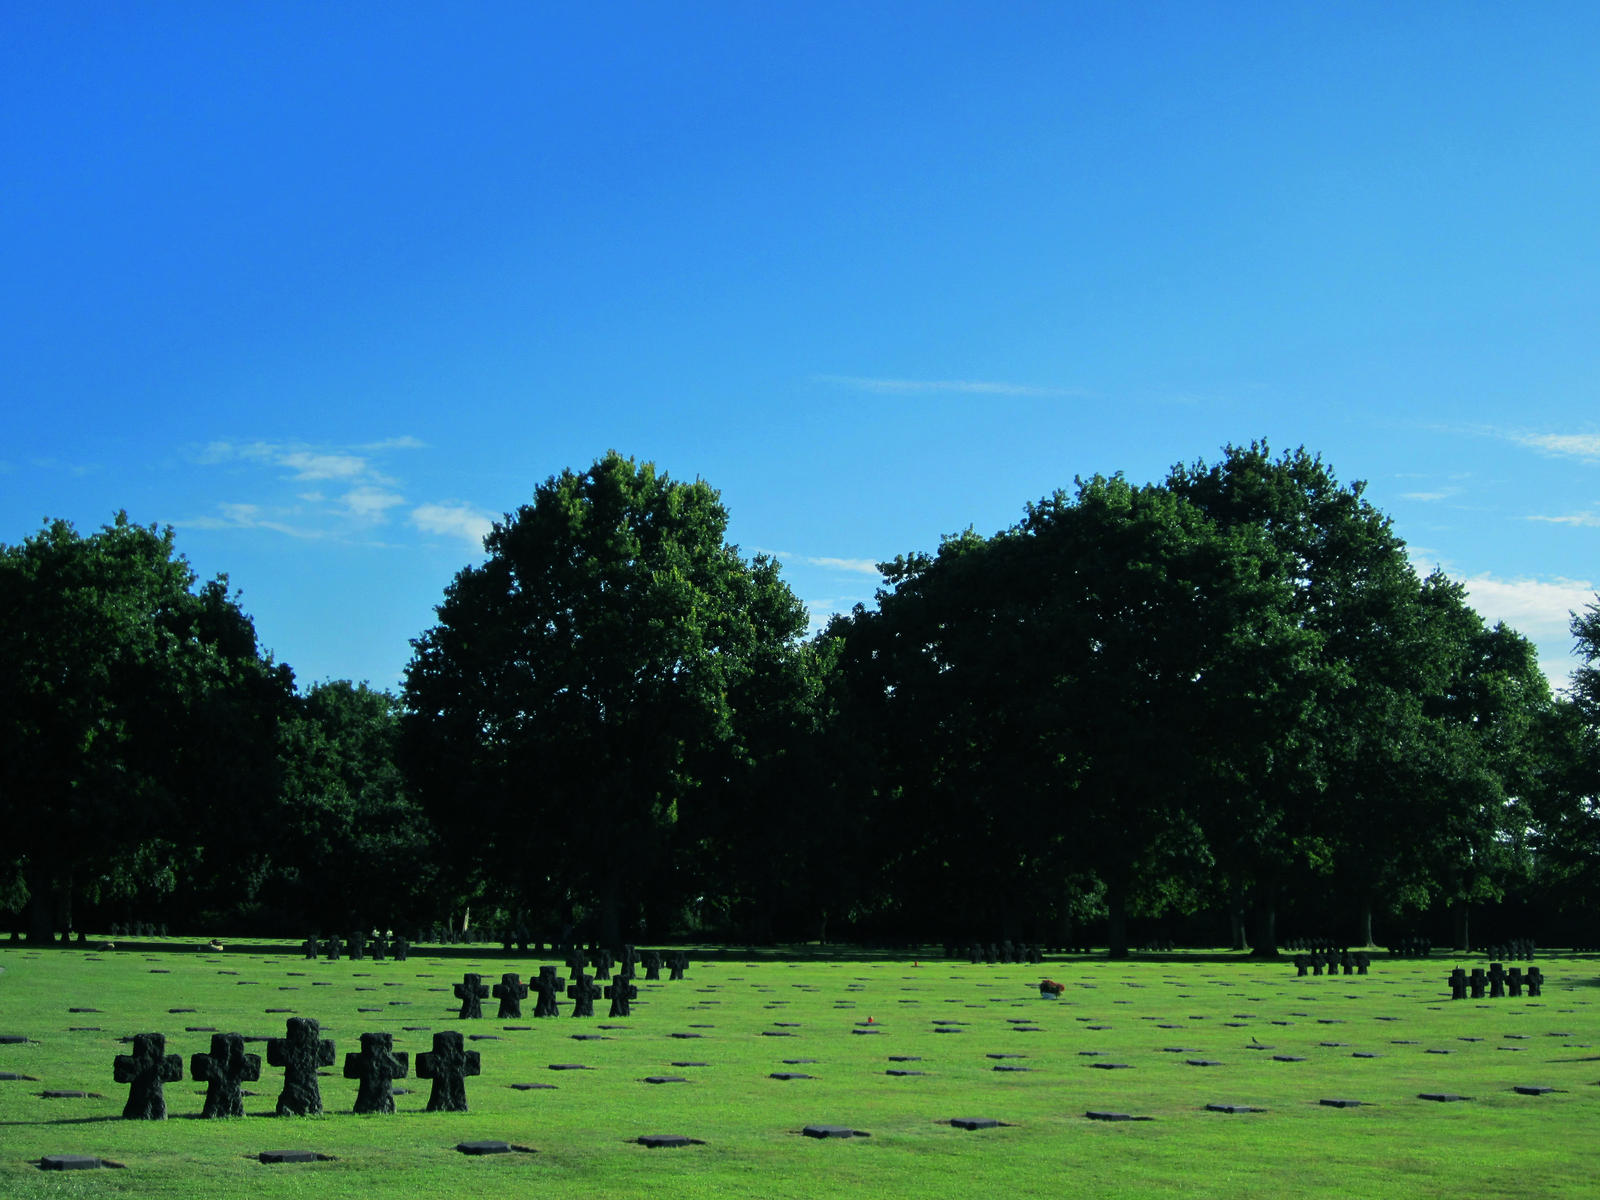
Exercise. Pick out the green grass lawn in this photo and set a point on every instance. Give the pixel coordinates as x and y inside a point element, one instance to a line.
<point>1154,1016</point>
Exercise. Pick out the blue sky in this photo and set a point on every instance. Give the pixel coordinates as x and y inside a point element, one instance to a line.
<point>330,287</point>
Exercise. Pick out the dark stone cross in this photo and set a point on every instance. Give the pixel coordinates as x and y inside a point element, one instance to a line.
<point>471,991</point>
<point>678,961</point>
<point>511,992</point>
<point>312,947</point>
<point>602,960</point>
<point>335,948</point>
<point>1514,981</point>
<point>358,945</point>
<point>620,993</point>
<point>400,949</point>
<point>576,961</point>
<point>584,992</point>
<point>1477,982</point>
<point>145,1070</point>
<point>1535,981</point>
<point>652,964</point>
<point>377,1067</point>
<point>1497,981</point>
<point>549,985</point>
<point>448,1065</point>
<point>300,1052</point>
<point>1458,984</point>
<point>225,1071</point>
<point>380,947</point>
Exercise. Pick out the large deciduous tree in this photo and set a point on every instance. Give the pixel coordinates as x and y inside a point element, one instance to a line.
<point>585,682</point>
<point>138,715</point>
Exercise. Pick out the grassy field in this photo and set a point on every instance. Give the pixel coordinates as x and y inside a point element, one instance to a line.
<point>853,1018</point>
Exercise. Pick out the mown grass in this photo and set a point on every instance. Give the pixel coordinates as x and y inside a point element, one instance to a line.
<point>1153,1015</point>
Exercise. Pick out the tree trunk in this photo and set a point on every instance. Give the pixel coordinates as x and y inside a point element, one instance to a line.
<point>1266,938</point>
<point>1460,931</point>
<point>39,906</point>
<point>1117,923</point>
<point>1238,935</point>
<point>1364,923</point>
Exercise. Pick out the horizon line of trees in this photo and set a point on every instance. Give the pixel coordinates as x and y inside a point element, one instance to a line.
<point>1218,706</point>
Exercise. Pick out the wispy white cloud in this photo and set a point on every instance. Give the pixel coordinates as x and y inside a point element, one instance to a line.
<point>1564,445</point>
<point>358,496</point>
<point>455,520</point>
<point>1428,497</point>
<point>858,566</point>
<point>370,503</point>
<point>252,516</point>
<point>1590,519</point>
<point>968,387</point>
<point>1539,608</point>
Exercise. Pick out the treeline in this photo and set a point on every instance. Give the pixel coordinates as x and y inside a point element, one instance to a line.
<point>1223,706</point>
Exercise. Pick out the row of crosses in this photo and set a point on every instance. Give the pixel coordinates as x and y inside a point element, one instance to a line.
<point>227,1068</point>
<point>583,991</point>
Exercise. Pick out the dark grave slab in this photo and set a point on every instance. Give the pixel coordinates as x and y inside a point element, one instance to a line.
<point>532,1087</point>
<point>492,1037</point>
<point>293,1156</point>
<point>569,1067</point>
<point>975,1123</point>
<point>690,1064</point>
<point>792,1062</point>
<point>1096,1114</point>
<point>667,1141</point>
<point>1441,1097</point>
<point>1525,1089</point>
<point>1203,1062</point>
<point>52,1094</point>
<point>788,1075</point>
<point>776,1033</point>
<point>685,1035</point>
<point>901,1071</point>
<point>1341,1103</point>
<point>95,1010</point>
<point>13,1076</point>
<point>74,1162</point>
<point>1287,1058</point>
<point>1111,1066</point>
<point>905,1058</point>
<point>1364,1054</point>
<point>833,1131</point>
<point>1233,1108</point>
<point>665,1079</point>
<point>492,1147</point>
<point>1005,1056</point>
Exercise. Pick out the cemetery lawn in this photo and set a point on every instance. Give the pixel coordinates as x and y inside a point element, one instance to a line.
<point>1278,1043</point>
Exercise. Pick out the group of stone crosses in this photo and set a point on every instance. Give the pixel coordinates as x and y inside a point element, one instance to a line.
<point>1497,982</point>
<point>582,988</point>
<point>359,946</point>
<point>227,1068</point>
<point>1326,958</point>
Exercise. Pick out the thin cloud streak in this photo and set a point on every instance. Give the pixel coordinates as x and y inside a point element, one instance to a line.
<point>967,387</point>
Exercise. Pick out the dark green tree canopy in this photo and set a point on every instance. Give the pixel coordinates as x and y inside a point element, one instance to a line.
<point>581,684</point>
<point>136,704</point>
